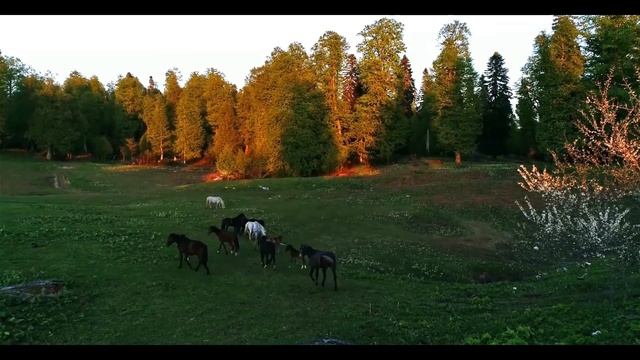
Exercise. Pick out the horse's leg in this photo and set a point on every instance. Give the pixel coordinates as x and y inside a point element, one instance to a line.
<point>311,275</point>
<point>335,278</point>
<point>236,244</point>
<point>186,258</point>
<point>220,247</point>
<point>324,275</point>
<point>199,262</point>
<point>180,254</point>
<point>317,275</point>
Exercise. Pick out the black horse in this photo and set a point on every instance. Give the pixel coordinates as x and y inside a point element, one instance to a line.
<point>226,223</point>
<point>267,251</point>
<point>237,222</point>
<point>188,247</point>
<point>320,259</point>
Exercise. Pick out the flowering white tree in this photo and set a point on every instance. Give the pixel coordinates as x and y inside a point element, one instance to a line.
<point>583,217</point>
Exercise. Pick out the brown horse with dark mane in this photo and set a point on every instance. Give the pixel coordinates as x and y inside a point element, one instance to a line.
<point>226,237</point>
<point>187,247</point>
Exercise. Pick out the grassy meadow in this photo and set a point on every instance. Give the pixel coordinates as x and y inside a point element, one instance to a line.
<point>412,242</point>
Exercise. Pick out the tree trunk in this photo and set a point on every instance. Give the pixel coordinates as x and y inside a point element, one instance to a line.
<point>49,152</point>
<point>161,151</point>
<point>428,149</point>
<point>85,144</point>
<point>339,125</point>
<point>458,159</point>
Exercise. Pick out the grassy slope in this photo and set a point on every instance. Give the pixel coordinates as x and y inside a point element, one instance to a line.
<point>410,242</point>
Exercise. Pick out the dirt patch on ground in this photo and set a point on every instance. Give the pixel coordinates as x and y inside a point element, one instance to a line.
<point>452,188</point>
<point>355,171</point>
<point>503,194</point>
<point>481,237</point>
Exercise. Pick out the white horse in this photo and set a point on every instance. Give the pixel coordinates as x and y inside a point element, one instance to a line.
<point>214,202</point>
<point>254,230</point>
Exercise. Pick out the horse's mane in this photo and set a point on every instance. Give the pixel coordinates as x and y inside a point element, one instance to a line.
<point>178,237</point>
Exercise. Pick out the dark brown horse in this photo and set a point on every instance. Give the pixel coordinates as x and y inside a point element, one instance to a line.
<point>295,255</point>
<point>320,259</point>
<point>187,247</point>
<point>267,251</point>
<point>226,237</point>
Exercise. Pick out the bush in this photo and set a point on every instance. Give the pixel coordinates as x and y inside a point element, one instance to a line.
<point>101,148</point>
<point>231,163</point>
<point>577,226</point>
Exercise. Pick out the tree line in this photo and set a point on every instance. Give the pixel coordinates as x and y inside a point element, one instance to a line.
<point>307,113</point>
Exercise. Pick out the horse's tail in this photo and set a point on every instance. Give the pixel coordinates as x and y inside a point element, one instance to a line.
<point>335,261</point>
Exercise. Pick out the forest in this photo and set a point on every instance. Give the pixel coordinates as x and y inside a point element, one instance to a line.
<point>305,113</point>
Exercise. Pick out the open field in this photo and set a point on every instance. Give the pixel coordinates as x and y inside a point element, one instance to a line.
<point>411,241</point>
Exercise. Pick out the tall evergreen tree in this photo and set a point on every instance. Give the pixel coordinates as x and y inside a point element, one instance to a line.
<point>497,114</point>
<point>408,88</point>
<point>158,132</point>
<point>353,87</point>
<point>525,110</point>
<point>284,117</point>
<point>129,93</point>
<point>329,58</point>
<point>421,133</point>
<point>556,70</point>
<point>380,131</point>
<point>352,91</point>
<point>51,126</point>
<point>220,102</point>
<point>191,111</point>
<point>458,121</point>
<point>612,44</point>
<point>172,91</point>
<point>17,101</point>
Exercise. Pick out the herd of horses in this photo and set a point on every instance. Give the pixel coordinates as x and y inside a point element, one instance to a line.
<point>255,231</point>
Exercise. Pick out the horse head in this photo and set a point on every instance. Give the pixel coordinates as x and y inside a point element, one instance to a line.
<point>172,238</point>
<point>277,239</point>
<point>306,250</point>
<point>213,229</point>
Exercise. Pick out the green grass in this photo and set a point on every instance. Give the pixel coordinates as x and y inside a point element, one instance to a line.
<point>410,241</point>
